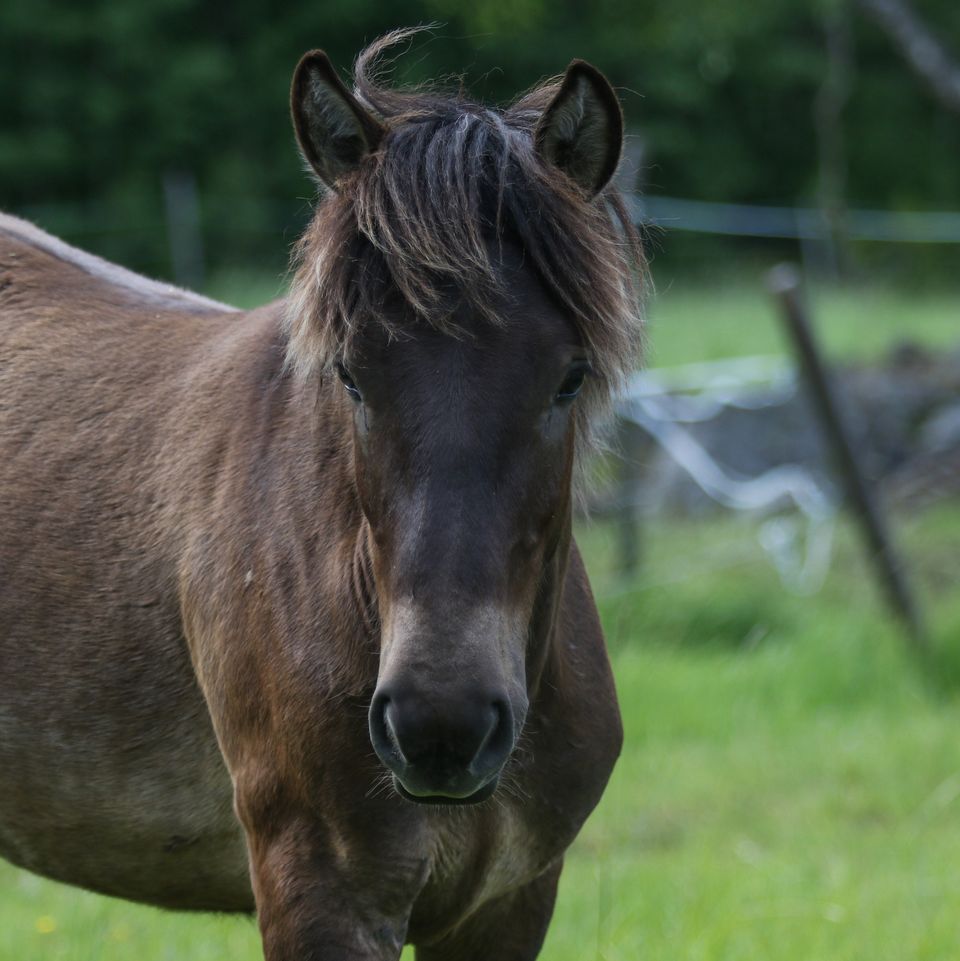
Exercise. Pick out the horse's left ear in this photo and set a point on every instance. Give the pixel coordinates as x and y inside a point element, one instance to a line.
<point>335,131</point>
<point>581,132</point>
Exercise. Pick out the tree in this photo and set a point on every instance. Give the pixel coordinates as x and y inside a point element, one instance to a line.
<point>920,47</point>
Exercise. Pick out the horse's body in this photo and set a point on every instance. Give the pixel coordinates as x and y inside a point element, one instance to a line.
<point>193,619</point>
<point>112,773</point>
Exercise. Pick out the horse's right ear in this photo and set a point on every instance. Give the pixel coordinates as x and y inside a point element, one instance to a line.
<point>335,132</point>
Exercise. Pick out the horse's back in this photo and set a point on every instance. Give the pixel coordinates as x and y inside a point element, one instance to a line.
<point>29,254</point>
<point>117,781</point>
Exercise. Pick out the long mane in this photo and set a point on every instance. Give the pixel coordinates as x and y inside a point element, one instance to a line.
<point>417,217</point>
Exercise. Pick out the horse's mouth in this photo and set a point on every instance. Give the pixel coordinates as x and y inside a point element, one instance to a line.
<point>478,796</point>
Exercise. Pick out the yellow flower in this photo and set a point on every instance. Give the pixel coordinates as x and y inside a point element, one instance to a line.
<point>45,924</point>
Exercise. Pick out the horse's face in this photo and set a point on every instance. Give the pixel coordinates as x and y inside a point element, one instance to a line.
<point>463,442</point>
<point>463,455</point>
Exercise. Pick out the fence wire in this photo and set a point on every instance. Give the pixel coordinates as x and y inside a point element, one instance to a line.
<point>664,402</point>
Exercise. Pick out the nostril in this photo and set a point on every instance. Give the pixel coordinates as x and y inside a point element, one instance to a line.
<point>392,732</point>
<point>493,721</point>
<point>383,735</point>
<point>497,742</point>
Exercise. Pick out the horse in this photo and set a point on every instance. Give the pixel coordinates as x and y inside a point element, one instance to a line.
<point>292,620</point>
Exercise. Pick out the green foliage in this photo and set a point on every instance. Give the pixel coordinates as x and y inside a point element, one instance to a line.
<point>101,98</point>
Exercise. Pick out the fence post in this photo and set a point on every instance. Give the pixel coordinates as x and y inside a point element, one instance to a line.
<point>183,228</point>
<point>784,284</point>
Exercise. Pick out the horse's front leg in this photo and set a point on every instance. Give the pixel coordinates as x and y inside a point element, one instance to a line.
<point>509,928</point>
<point>316,902</point>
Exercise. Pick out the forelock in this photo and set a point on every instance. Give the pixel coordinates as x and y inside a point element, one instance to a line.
<point>417,218</point>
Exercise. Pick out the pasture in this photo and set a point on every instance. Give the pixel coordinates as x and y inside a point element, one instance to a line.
<point>790,785</point>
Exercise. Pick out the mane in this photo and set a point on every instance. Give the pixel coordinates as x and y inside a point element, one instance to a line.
<point>416,218</point>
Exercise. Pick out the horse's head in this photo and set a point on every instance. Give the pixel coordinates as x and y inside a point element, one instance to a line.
<point>465,281</point>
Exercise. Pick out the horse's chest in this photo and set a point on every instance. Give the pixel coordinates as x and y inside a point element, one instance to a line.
<point>516,856</point>
<point>478,858</point>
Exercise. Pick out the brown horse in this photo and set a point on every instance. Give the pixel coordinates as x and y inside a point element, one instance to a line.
<point>278,588</point>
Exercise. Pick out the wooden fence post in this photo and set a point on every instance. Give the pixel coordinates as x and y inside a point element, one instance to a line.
<point>784,284</point>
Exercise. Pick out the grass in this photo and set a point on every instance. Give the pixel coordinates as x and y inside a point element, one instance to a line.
<point>790,786</point>
<point>691,324</point>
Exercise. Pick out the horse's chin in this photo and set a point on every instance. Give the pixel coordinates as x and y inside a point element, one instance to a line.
<point>444,800</point>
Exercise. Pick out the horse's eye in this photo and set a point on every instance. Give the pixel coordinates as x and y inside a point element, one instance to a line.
<point>572,383</point>
<point>347,382</point>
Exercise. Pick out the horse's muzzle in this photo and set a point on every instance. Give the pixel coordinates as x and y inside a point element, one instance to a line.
<point>442,750</point>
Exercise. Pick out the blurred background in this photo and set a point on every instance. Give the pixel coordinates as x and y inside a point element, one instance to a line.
<point>782,605</point>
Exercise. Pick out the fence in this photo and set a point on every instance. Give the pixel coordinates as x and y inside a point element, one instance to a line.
<point>183,216</point>
<point>795,223</point>
<point>666,402</point>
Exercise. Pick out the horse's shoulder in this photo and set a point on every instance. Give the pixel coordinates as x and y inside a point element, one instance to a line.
<point>25,248</point>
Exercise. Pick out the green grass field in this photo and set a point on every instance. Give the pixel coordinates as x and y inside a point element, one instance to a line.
<point>728,321</point>
<point>790,785</point>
